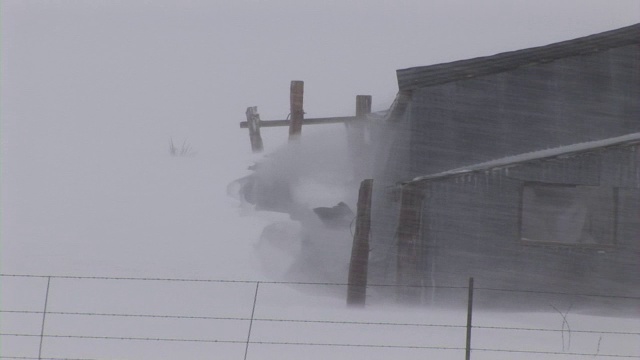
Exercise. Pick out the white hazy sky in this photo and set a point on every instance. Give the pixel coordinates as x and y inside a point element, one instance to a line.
<point>166,66</point>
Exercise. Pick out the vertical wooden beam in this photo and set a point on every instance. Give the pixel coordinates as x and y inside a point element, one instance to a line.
<point>409,244</point>
<point>253,123</point>
<point>359,152</point>
<point>363,105</point>
<point>297,112</point>
<point>469,319</point>
<point>358,267</point>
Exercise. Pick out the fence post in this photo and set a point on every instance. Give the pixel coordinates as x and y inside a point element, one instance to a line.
<point>297,112</point>
<point>44,317</point>
<point>358,267</point>
<point>253,311</point>
<point>253,123</point>
<point>469,316</point>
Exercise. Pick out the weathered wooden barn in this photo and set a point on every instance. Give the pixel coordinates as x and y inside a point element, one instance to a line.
<point>520,169</point>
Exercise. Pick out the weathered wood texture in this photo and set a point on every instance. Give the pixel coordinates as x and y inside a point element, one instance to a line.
<point>253,123</point>
<point>363,105</point>
<point>358,268</point>
<point>469,319</point>
<point>297,112</point>
<point>312,121</point>
<point>423,76</point>
<point>472,224</point>
<point>568,101</point>
<point>409,254</point>
<point>359,151</point>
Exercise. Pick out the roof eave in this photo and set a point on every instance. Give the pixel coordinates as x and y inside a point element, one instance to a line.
<point>423,76</point>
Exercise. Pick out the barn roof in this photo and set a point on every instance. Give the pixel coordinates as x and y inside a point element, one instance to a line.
<point>558,152</point>
<point>418,77</point>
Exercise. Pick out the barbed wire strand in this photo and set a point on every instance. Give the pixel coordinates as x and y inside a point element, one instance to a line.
<point>128,338</point>
<point>44,358</point>
<point>239,341</point>
<point>253,282</point>
<point>557,353</point>
<point>372,323</point>
<point>72,277</point>
<point>287,343</point>
<point>302,320</point>
<point>186,317</point>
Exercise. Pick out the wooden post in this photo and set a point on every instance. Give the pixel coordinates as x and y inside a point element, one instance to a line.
<point>469,316</point>
<point>363,105</point>
<point>359,152</point>
<point>409,244</point>
<point>297,112</point>
<point>253,123</point>
<point>358,267</point>
<point>306,121</point>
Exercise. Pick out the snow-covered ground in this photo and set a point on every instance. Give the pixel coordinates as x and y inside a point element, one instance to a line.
<point>92,94</point>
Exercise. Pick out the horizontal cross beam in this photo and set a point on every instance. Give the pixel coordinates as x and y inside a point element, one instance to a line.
<point>314,121</point>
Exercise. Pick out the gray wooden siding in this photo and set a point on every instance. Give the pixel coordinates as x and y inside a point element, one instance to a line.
<point>572,100</point>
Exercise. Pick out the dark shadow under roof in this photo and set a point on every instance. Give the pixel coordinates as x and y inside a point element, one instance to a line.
<point>423,76</point>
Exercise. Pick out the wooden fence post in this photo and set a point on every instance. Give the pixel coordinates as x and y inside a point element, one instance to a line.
<point>358,267</point>
<point>297,112</point>
<point>253,123</point>
<point>469,317</point>
<point>409,244</point>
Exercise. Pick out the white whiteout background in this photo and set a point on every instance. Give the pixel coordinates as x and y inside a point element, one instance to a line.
<point>93,91</point>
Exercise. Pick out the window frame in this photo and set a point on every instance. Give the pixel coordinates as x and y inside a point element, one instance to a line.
<point>556,244</point>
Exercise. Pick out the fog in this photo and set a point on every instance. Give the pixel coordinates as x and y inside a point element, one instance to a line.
<point>93,92</point>
<point>304,180</point>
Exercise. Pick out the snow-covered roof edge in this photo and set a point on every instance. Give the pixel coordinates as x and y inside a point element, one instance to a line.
<point>423,76</point>
<point>508,161</point>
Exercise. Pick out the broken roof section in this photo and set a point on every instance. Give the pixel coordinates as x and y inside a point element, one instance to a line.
<point>418,77</point>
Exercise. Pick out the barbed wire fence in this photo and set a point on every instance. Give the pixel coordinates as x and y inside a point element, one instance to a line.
<point>46,334</point>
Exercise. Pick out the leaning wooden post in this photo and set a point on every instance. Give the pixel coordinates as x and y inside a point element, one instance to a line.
<point>358,267</point>
<point>297,112</point>
<point>253,123</point>
<point>409,243</point>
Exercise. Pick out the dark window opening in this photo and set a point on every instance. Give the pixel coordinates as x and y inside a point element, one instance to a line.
<point>568,215</point>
